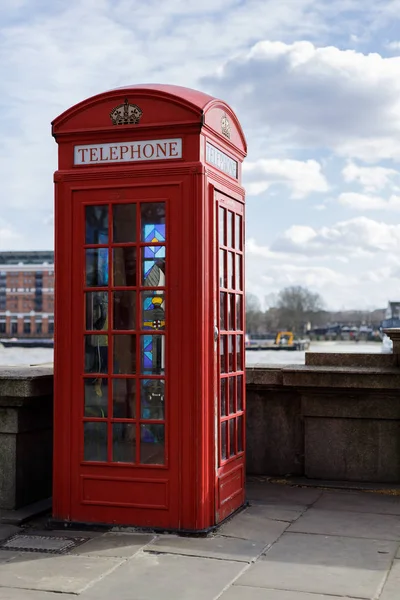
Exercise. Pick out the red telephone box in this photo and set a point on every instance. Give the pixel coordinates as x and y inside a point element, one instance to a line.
<point>149,332</point>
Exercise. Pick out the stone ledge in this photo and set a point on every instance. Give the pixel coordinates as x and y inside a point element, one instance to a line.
<point>25,382</point>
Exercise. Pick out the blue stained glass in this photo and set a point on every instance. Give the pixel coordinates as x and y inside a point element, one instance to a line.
<point>148,351</point>
<point>154,233</point>
<point>154,251</point>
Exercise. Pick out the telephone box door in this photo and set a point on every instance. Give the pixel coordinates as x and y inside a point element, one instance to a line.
<point>230,367</point>
<point>125,401</point>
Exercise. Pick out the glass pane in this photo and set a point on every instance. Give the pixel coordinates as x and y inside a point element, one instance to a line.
<point>239,317</point>
<point>231,311</point>
<point>96,397</point>
<point>124,266</point>
<point>95,441</point>
<point>124,310</point>
<point>96,304</point>
<point>152,399</point>
<point>240,433</point>
<point>231,283</point>
<point>152,444</point>
<point>124,398</point>
<point>232,437</point>
<point>97,267</point>
<point>231,342</point>
<point>222,272</point>
<point>124,223</point>
<point>239,353</point>
<point>231,241</point>
<point>238,272</point>
<point>96,353</point>
<point>223,397</point>
<point>153,266</point>
<point>96,224</point>
<point>222,311</point>
<point>153,222</point>
<point>222,226</point>
<point>124,442</point>
<point>153,310</point>
<point>223,441</point>
<point>239,393</point>
<point>124,357</point>
<point>222,351</point>
<point>231,395</point>
<point>152,352</point>
<point>238,232</point>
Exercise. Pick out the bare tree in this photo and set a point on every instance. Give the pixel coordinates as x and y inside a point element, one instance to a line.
<point>297,306</point>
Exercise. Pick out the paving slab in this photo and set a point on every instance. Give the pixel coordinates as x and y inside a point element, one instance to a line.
<point>123,545</point>
<point>152,577</point>
<point>6,556</point>
<point>7,530</point>
<point>211,547</point>
<point>365,502</point>
<point>285,496</point>
<point>391,590</point>
<point>318,564</point>
<point>67,574</point>
<point>276,513</point>
<point>238,592</point>
<point>16,594</point>
<point>251,524</point>
<point>351,524</point>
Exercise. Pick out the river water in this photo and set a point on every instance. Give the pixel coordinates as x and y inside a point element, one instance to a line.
<point>37,356</point>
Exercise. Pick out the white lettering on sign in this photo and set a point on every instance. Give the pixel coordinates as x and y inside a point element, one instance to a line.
<point>222,161</point>
<point>94,154</point>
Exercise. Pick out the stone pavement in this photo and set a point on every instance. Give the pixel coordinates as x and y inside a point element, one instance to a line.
<point>292,543</point>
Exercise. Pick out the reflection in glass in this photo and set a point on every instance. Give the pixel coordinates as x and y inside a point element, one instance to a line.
<point>96,267</point>
<point>152,349</point>
<point>231,241</point>
<point>223,397</point>
<point>223,441</point>
<point>96,398</point>
<point>152,444</point>
<point>124,223</point>
<point>96,304</point>
<point>222,272</point>
<point>153,222</point>
<point>231,395</point>
<point>124,442</point>
<point>124,266</point>
<point>153,310</point>
<point>124,398</point>
<point>231,311</point>
<point>238,232</point>
<point>231,284</point>
<point>124,310</point>
<point>152,399</point>
<point>231,341</point>
<point>239,317</point>
<point>153,266</point>
<point>239,425</point>
<point>232,437</point>
<point>95,441</point>
<point>222,312</point>
<point>124,355</point>
<point>239,353</point>
<point>222,351</point>
<point>222,227</point>
<point>96,224</point>
<point>238,271</point>
<point>96,353</point>
<point>239,393</point>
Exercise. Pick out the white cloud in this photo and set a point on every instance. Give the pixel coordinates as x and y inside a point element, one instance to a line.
<point>363,202</point>
<point>9,238</point>
<point>371,178</point>
<point>301,177</point>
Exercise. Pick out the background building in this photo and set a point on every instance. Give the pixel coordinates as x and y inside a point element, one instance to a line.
<point>27,294</point>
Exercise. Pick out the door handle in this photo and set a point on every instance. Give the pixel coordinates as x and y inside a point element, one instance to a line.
<point>216,332</point>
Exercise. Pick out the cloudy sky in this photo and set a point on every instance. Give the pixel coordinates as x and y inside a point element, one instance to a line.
<point>315,83</point>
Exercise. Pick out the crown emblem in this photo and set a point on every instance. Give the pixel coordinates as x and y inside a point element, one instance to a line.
<point>126,114</point>
<point>225,126</point>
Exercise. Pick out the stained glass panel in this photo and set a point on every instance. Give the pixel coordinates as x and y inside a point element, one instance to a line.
<point>153,222</point>
<point>152,442</point>
<point>124,266</point>
<point>124,223</point>
<point>152,352</point>
<point>153,310</point>
<point>97,267</point>
<point>96,220</point>
<point>152,398</point>
<point>153,266</point>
